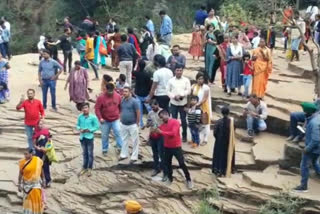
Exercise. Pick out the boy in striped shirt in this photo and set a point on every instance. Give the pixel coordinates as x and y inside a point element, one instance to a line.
<point>194,120</point>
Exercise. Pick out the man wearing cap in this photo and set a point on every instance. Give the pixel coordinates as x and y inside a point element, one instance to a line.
<point>133,207</point>
<point>295,118</point>
<point>311,152</point>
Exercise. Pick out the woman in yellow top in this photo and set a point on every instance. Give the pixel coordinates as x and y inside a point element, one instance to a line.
<point>30,174</point>
<point>202,90</point>
<point>262,68</point>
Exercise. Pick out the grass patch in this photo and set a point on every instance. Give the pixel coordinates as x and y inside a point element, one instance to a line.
<point>205,208</point>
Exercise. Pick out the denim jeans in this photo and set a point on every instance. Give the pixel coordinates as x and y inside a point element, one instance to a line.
<point>194,130</point>
<point>29,133</point>
<point>174,110</point>
<point>256,124</point>
<point>87,151</point>
<point>247,82</point>
<point>295,118</point>
<point>3,50</point>
<point>105,131</point>
<point>45,86</point>
<point>141,103</point>
<point>157,146</point>
<point>304,167</point>
<point>46,169</point>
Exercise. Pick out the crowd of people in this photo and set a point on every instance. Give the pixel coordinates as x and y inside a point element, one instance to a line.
<point>152,80</point>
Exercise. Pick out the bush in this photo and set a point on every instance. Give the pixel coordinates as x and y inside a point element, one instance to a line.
<point>283,203</point>
<point>205,208</point>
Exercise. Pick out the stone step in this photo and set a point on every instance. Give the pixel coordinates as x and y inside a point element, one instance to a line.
<point>304,71</point>
<point>10,156</point>
<point>228,205</point>
<point>14,199</point>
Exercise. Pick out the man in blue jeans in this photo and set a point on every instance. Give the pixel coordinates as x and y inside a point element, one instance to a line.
<point>311,151</point>
<point>49,71</point>
<point>107,109</point>
<point>295,118</point>
<point>256,113</point>
<point>87,124</point>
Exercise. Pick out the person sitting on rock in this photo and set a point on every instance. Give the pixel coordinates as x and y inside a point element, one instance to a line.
<point>295,118</point>
<point>256,113</point>
<point>311,152</point>
<point>133,207</point>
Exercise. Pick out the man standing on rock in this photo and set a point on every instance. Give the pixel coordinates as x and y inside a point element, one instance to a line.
<point>256,113</point>
<point>178,89</point>
<point>170,130</point>
<point>130,119</point>
<point>33,113</point>
<point>166,27</point>
<point>176,59</point>
<point>107,109</point>
<point>311,152</point>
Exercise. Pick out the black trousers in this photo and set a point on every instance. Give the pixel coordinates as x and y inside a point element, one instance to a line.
<point>174,110</point>
<point>7,49</point>
<point>178,154</point>
<point>67,58</point>
<point>163,102</point>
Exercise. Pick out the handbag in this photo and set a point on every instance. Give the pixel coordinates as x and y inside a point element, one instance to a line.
<point>51,153</point>
<point>102,50</point>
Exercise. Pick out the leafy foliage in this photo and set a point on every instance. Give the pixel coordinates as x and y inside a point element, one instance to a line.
<point>205,208</point>
<point>283,203</point>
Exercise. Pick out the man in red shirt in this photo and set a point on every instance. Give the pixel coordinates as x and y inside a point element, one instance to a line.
<point>170,130</point>
<point>34,112</point>
<point>107,109</point>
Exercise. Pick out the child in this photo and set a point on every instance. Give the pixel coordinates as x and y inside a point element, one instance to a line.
<point>194,120</point>
<point>256,40</point>
<point>247,74</point>
<point>121,83</point>
<point>196,44</point>
<point>87,124</point>
<point>41,46</point>
<point>155,139</point>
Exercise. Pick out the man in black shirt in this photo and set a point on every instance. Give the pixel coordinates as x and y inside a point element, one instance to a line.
<point>66,46</point>
<point>142,88</point>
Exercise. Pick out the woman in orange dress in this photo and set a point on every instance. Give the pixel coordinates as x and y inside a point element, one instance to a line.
<point>30,180</point>
<point>116,38</point>
<point>196,46</point>
<point>262,68</point>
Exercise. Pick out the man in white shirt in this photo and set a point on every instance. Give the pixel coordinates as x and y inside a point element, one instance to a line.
<point>256,113</point>
<point>6,23</point>
<point>178,88</point>
<point>312,11</point>
<point>161,78</point>
<point>256,40</point>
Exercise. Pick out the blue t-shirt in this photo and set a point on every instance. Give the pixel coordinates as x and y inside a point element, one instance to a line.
<point>48,68</point>
<point>129,108</point>
<point>200,17</point>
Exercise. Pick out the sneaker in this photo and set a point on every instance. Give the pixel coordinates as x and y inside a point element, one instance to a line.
<point>133,161</point>
<point>184,139</point>
<point>82,172</point>
<point>155,172</point>
<point>55,110</point>
<point>168,182</point>
<point>48,185</point>
<point>290,138</point>
<point>165,178</point>
<point>121,159</point>
<point>296,139</point>
<point>89,173</point>
<point>105,153</point>
<point>250,133</point>
<point>189,184</point>
<point>300,189</point>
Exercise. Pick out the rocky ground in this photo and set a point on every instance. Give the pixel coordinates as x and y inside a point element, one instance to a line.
<point>257,180</point>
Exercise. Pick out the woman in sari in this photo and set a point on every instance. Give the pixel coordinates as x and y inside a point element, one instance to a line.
<point>100,58</point>
<point>202,90</point>
<point>223,162</point>
<point>212,20</point>
<point>262,69</point>
<point>29,181</point>
<point>116,38</point>
<point>4,77</point>
<point>40,138</point>
<point>78,81</point>
<point>210,50</point>
<point>234,66</point>
<point>223,61</point>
